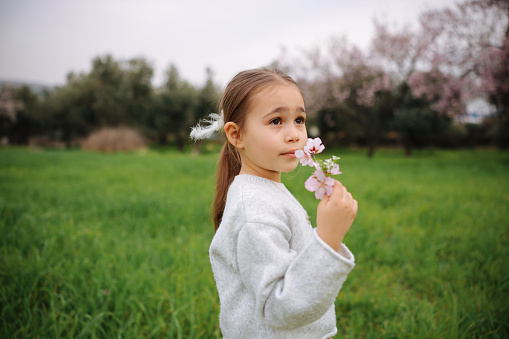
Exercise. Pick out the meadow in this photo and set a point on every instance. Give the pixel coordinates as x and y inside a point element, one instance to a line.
<point>116,245</point>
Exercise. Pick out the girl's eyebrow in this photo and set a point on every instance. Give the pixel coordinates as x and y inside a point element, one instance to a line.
<point>283,109</point>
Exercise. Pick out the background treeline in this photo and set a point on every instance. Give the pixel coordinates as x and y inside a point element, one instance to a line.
<point>409,88</point>
<point>115,93</point>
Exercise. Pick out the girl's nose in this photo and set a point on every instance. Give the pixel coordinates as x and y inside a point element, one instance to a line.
<point>292,134</point>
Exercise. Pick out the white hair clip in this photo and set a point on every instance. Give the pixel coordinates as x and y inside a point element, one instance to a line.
<point>216,123</point>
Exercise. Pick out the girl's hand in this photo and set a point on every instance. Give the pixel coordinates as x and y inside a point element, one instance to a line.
<point>335,215</point>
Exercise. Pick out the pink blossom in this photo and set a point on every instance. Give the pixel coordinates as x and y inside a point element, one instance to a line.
<point>305,158</point>
<point>417,83</point>
<point>366,94</point>
<point>334,169</point>
<point>314,146</point>
<point>320,184</point>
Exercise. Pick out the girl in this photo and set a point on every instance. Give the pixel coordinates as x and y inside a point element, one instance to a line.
<point>277,277</point>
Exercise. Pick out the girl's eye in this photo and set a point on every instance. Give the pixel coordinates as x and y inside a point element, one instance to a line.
<point>276,121</point>
<point>300,120</point>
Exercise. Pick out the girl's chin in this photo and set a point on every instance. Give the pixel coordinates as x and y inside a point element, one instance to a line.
<point>290,168</point>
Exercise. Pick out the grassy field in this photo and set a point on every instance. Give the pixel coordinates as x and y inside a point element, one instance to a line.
<point>116,246</point>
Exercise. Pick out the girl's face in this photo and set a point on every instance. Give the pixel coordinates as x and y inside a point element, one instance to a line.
<point>274,129</point>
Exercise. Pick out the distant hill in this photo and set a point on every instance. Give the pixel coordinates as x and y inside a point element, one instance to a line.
<point>37,88</point>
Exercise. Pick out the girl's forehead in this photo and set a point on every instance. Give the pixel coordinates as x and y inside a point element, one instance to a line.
<point>277,98</point>
<point>272,89</point>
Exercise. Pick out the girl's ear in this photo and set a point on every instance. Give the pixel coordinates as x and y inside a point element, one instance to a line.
<point>232,132</point>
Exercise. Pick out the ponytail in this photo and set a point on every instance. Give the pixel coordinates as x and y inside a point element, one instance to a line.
<point>228,167</point>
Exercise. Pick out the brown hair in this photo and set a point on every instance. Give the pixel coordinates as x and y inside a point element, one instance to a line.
<point>235,104</point>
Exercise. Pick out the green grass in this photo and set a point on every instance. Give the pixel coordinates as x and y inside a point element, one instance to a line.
<point>115,246</point>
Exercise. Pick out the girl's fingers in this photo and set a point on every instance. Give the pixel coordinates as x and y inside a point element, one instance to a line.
<point>325,199</point>
<point>341,193</point>
<point>338,190</point>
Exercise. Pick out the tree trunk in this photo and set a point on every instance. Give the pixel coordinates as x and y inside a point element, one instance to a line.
<point>197,146</point>
<point>162,140</point>
<point>408,147</point>
<point>371,150</point>
<point>180,141</point>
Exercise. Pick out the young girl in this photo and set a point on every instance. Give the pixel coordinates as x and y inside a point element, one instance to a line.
<point>277,277</point>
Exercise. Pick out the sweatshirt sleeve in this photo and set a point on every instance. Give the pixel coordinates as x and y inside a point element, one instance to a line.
<point>291,290</point>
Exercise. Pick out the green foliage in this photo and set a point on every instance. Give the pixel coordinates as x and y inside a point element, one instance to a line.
<point>417,124</point>
<point>208,98</point>
<point>116,245</point>
<point>114,93</point>
<point>173,109</point>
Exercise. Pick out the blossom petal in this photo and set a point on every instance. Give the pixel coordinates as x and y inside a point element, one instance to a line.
<point>319,175</point>
<point>315,145</point>
<point>329,181</point>
<point>320,193</point>
<point>312,184</point>
<point>316,142</point>
<point>334,170</point>
<point>328,190</point>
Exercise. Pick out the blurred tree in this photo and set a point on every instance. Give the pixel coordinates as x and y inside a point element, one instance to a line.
<point>474,46</point>
<point>138,82</point>
<point>68,110</point>
<point>451,56</point>
<point>109,92</point>
<point>346,91</point>
<point>369,103</point>
<point>18,115</point>
<point>415,121</point>
<point>424,102</point>
<point>114,93</point>
<point>9,107</point>
<point>208,100</point>
<point>443,91</point>
<point>174,108</point>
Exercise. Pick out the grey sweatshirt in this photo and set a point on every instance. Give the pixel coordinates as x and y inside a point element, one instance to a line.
<point>275,276</point>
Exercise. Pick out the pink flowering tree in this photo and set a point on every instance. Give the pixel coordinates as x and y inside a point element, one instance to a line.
<point>472,48</point>
<point>346,91</point>
<point>410,77</point>
<point>443,91</point>
<point>368,107</point>
<point>419,98</point>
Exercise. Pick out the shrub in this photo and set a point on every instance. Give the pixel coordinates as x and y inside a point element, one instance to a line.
<point>117,139</point>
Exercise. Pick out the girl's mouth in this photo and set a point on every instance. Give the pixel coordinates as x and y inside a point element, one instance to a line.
<point>290,154</point>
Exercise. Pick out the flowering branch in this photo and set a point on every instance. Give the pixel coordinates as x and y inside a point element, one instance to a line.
<point>320,181</point>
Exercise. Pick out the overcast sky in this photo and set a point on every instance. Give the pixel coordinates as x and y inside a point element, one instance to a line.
<point>42,40</point>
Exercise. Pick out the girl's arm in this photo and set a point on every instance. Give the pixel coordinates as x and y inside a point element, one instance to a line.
<point>290,289</point>
<point>335,215</point>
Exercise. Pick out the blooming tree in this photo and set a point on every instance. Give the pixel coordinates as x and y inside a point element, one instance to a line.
<point>343,83</point>
<point>474,43</point>
<point>447,58</point>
